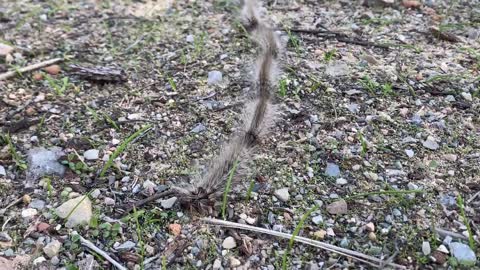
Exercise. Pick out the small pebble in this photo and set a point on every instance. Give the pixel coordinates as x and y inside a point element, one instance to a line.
<point>229,243</point>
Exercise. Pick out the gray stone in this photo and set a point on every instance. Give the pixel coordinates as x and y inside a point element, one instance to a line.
<point>344,243</point>
<point>109,201</point>
<point>52,249</point>
<point>126,246</point>
<point>214,77</point>
<point>337,207</point>
<point>282,194</point>
<point>81,215</point>
<point>409,153</point>
<point>95,193</point>
<point>29,213</point>
<point>198,128</point>
<point>43,162</point>
<point>467,96</point>
<point>430,143</point>
<point>190,38</point>
<point>353,108</point>
<point>337,68</point>
<point>229,243</point>
<point>55,260</point>
<point>217,264</point>
<point>91,154</point>
<point>9,253</point>
<point>168,203</point>
<point>4,237</point>
<point>2,171</point>
<point>463,253</point>
<point>332,170</point>
<point>88,263</point>
<point>37,204</point>
<point>426,248</point>
<point>317,219</point>
<point>341,181</point>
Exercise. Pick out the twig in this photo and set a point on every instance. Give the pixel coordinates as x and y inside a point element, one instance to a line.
<point>473,197</point>
<point>342,251</point>
<point>14,202</point>
<point>10,74</point>
<point>449,233</point>
<point>156,196</point>
<point>100,252</point>
<point>340,37</point>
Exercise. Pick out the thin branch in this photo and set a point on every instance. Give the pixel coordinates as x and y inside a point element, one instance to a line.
<point>10,74</point>
<point>340,37</point>
<point>100,252</point>
<point>342,251</point>
<point>128,208</point>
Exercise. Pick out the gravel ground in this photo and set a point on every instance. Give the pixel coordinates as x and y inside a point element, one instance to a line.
<point>376,147</point>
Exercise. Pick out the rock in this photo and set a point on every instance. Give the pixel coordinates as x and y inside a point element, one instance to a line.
<point>52,249</point>
<point>337,68</point>
<point>370,227</point>
<point>450,157</point>
<point>430,143</point>
<point>332,170</point>
<point>353,108</point>
<point>320,234</point>
<point>55,260</point>
<point>450,98</point>
<point>81,215</point>
<point>168,203</point>
<point>282,194</point>
<point>29,213</point>
<point>317,219</point>
<point>372,236</point>
<point>175,229</point>
<point>5,241</point>
<point>91,154</point>
<point>198,128</point>
<point>214,77</point>
<point>448,200</point>
<point>109,201</point>
<point>5,49</point>
<point>229,243</point>
<point>409,153</point>
<point>467,96</point>
<point>39,260</point>
<point>2,171</point>
<point>149,185</point>
<point>344,243</point>
<point>371,176</point>
<point>463,253</point>
<point>43,162</point>
<point>190,38</point>
<point>88,263</point>
<point>128,245</point>
<point>426,248</point>
<point>443,249</point>
<point>338,207</point>
<point>95,193</point>
<point>53,69</point>
<point>37,204</point>
<point>330,232</point>
<point>234,262</point>
<point>341,181</point>
<point>217,264</point>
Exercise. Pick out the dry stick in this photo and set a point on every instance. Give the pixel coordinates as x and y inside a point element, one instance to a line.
<point>340,37</point>
<point>154,197</point>
<point>343,251</point>
<point>10,74</point>
<point>100,252</point>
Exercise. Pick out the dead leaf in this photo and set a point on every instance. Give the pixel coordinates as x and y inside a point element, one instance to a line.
<point>411,4</point>
<point>444,35</point>
<point>5,49</point>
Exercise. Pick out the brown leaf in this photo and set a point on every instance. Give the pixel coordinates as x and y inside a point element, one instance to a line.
<point>411,4</point>
<point>444,35</point>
